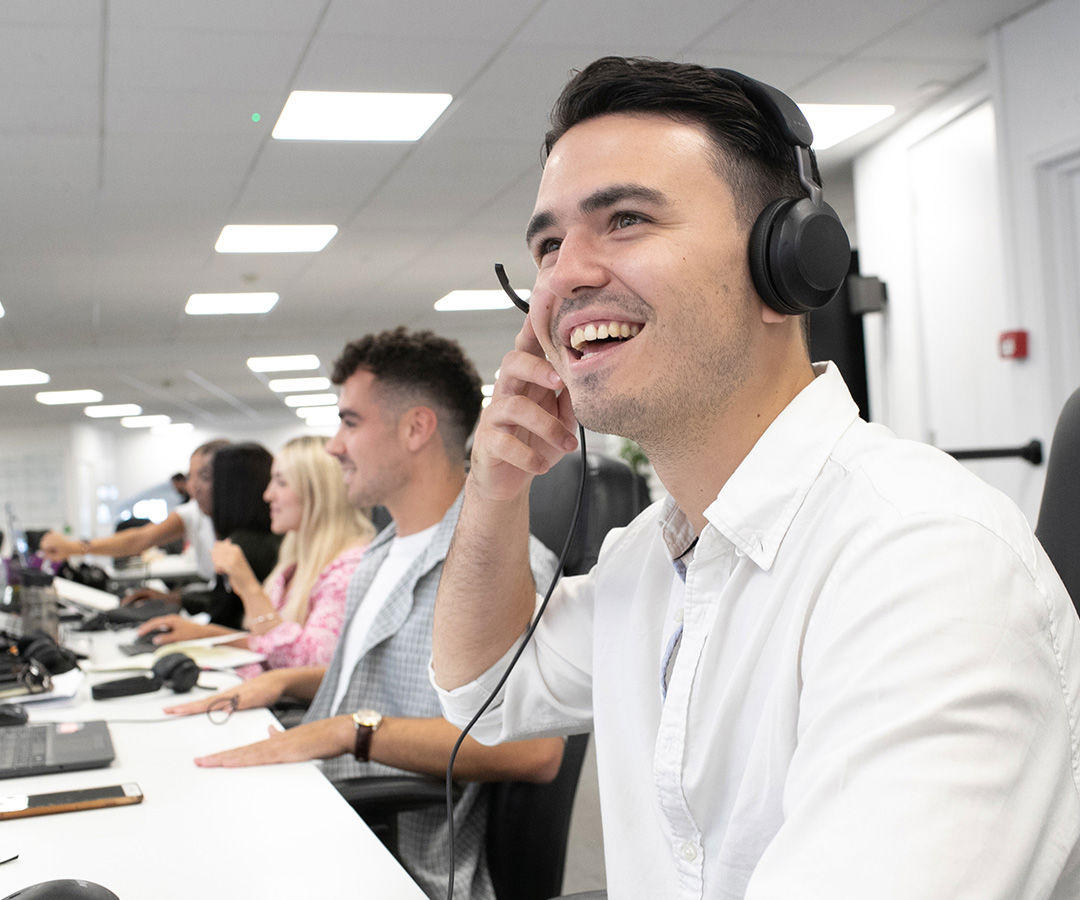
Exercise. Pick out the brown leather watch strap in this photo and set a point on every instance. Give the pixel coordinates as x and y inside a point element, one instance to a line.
<point>366,722</point>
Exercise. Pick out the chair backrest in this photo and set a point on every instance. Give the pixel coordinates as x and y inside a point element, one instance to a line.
<point>1059,514</point>
<point>613,496</point>
<point>528,828</point>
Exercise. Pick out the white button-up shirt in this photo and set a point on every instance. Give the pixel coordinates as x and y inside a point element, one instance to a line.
<point>864,683</point>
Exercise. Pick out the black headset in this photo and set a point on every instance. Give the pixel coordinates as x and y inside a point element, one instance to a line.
<point>174,670</point>
<point>799,251</point>
<point>43,649</point>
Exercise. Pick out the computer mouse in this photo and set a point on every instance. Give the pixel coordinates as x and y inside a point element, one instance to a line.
<point>64,889</point>
<point>13,714</point>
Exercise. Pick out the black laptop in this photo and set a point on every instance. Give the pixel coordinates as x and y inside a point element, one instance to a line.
<point>54,747</point>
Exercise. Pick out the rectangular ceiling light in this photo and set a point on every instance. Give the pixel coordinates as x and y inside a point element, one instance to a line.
<point>290,385</point>
<point>318,412</point>
<point>312,400</point>
<point>241,304</point>
<point>358,116</point>
<point>1,310</point>
<point>172,428</point>
<point>457,301</point>
<point>144,421</point>
<point>11,377</point>
<point>836,122</point>
<point>320,415</point>
<point>59,398</point>
<point>274,238</point>
<point>113,411</point>
<point>298,363</point>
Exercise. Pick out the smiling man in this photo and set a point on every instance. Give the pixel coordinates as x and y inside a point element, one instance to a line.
<point>832,664</point>
<point>408,402</point>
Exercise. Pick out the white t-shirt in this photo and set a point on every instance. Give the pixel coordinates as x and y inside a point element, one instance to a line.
<point>402,552</point>
<point>199,532</point>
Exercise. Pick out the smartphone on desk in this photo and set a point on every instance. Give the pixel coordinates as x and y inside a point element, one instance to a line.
<point>22,805</point>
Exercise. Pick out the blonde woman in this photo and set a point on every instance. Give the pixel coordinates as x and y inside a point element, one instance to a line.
<point>295,617</point>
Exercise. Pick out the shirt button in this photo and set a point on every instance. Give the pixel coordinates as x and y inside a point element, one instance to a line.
<point>689,852</point>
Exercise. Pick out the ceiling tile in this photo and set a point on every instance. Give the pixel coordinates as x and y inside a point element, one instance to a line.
<point>202,61</point>
<point>50,57</point>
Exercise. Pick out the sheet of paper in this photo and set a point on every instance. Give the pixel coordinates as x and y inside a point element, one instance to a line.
<point>84,595</point>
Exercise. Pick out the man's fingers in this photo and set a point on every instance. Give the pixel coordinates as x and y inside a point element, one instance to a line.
<point>520,370</point>
<point>190,709</point>
<point>526,340</point>
<point>531,427</point>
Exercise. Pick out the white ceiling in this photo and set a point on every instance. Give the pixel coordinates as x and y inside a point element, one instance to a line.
<point>126,143</point>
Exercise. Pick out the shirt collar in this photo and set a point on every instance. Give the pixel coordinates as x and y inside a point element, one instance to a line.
<point>756,506</point>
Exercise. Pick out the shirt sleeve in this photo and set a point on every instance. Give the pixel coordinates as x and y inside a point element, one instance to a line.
<point>311,643</point>
<point>935,753</point>
<point>549,691</point>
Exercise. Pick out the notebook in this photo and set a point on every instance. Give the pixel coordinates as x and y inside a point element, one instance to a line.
<point>54,747</point>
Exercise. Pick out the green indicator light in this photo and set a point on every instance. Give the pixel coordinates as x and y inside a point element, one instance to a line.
<point>255,117</point>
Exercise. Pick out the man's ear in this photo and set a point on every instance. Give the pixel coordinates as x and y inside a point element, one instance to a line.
<point>770,316</point>
<point>417,425</point>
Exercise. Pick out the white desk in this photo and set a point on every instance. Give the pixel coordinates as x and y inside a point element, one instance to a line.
<point>267,832</point>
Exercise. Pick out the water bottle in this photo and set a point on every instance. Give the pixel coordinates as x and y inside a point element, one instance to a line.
<point>40,604</point>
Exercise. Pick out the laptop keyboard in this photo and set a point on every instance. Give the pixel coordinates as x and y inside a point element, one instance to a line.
<point>23,748</point>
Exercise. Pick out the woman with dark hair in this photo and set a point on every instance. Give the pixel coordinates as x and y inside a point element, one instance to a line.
<point>241,517</point>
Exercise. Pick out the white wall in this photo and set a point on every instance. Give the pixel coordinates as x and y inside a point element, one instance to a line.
<point>1036,70</point>
<point>951,218</point>
<point>75,476</point>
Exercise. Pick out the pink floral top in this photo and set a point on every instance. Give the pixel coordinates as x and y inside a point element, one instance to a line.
<point>311,643</point>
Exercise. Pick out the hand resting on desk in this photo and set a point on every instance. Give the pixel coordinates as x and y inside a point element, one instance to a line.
<point>322,739</point>
<point>263,690</point>
<point>145,593</point>
<point>179,629</point>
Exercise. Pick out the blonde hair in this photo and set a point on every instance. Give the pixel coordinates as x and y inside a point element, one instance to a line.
<point>328,524</point>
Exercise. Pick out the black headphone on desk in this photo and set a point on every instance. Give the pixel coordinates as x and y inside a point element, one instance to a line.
<point>42,648</point>
<point>174,670</point>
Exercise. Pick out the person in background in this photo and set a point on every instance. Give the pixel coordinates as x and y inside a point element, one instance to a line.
<point>241,517</point>
<point>189,522</point>
<point>179,484</point>
<point>295,617</point>
<point>408,402</point>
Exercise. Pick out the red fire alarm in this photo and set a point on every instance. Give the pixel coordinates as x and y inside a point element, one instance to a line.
<point>1013,345</point>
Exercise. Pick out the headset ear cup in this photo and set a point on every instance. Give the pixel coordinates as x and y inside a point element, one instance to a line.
<point>799,255</point>
<point>760,264</point>
<point>178,671</point>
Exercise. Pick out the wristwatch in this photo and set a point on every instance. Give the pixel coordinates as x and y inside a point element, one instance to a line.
<point>367,722</point>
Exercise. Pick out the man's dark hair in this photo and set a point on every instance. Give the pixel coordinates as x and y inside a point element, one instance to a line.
<point>241,474</point>
<point>750,153</point>
<point>421,368</point>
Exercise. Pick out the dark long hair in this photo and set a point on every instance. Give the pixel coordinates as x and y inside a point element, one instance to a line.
<point>241,474</point>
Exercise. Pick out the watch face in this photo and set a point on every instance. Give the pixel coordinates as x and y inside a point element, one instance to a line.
<point>367,717</point>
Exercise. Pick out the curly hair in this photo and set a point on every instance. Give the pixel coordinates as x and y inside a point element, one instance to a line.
<point>419,367</point>
<point>750,154</point>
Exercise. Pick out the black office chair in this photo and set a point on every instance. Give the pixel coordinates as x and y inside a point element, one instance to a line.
<point>614,494</point>
<point>528,824</point>
<point>1059,513</point>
